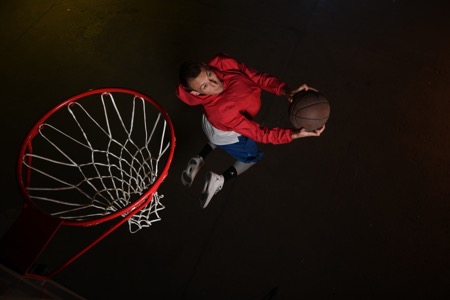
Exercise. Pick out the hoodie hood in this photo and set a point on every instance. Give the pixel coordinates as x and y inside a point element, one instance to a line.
<point>188,98</point>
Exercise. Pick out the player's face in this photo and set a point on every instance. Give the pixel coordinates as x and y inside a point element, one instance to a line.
<point>206,83</point>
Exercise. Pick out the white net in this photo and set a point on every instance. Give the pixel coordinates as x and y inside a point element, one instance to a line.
<point>99,156</point>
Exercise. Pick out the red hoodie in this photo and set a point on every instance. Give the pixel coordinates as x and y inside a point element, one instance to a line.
<point>235,108</point>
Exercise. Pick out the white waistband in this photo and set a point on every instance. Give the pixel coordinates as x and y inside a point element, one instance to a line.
<point>217,136</point>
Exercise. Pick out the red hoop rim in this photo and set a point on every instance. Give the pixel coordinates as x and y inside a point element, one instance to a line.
<point>130,209</point>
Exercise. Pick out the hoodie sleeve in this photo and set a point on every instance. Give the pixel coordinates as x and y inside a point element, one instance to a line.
<point>265,81</point>
<point>239,123</point>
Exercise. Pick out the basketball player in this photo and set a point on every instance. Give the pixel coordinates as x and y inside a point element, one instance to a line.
<point>229,92</point>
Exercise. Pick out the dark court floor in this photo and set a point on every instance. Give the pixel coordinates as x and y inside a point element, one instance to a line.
<point>362,212</point>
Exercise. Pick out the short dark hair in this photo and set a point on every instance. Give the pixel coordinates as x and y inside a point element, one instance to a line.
<point>190,70</point>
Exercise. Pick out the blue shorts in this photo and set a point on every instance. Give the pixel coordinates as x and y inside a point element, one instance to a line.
<point>244,150</point>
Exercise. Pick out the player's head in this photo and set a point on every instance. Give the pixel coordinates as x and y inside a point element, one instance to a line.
<point>198,78</point>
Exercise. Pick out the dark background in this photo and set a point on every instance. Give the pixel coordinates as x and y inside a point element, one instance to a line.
<point>360,213</point>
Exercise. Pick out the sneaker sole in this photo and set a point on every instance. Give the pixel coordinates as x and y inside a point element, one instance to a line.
<point>186,179</point>
<point>204,195</point>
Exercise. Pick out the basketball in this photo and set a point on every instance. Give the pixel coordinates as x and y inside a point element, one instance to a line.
<point>309,110</point>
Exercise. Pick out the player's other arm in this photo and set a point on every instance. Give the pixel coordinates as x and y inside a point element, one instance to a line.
<point>264,134</point>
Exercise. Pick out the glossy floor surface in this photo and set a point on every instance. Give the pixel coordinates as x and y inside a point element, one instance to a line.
<point>362,212</point>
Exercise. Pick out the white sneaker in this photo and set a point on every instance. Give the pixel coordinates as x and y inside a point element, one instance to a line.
<point>213,184</point>
<point>194,165</point>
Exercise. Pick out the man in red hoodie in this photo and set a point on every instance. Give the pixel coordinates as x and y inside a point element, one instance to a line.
<point>230,93</point>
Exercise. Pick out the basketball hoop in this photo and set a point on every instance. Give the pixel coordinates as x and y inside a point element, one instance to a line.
<point>98,156</point>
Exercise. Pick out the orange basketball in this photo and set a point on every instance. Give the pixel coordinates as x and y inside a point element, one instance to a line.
<point>309,110</point>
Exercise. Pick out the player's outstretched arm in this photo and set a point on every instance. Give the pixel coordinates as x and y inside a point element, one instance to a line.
<point>303,133</point>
